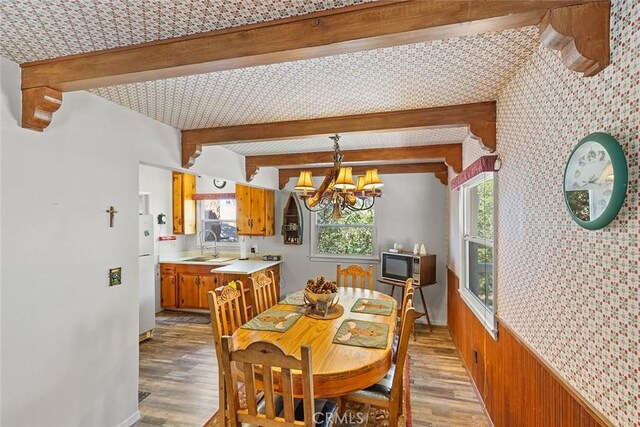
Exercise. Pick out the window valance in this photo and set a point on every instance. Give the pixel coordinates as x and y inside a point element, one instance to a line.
<point>214,196</point>
<point>483,164</point>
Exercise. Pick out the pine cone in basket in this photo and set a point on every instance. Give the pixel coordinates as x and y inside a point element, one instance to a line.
<point>320,285</point>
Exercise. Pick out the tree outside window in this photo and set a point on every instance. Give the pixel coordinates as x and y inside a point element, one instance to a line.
<point>353,234</point>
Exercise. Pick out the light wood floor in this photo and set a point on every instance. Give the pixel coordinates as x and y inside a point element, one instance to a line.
<point>178,368</point>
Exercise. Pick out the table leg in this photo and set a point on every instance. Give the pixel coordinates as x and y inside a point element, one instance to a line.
<point>393,290</point>
<point>426,311</point>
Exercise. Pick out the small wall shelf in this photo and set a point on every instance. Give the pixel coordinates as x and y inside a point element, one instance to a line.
<point>292,226</point>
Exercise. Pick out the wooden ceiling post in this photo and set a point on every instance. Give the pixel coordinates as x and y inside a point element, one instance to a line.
<point>38,106</point>
<point>451,153</point>
<point>480,117</point>
<point>581,34</point>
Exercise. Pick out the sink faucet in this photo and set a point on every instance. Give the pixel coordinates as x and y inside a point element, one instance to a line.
<point>201,236</point>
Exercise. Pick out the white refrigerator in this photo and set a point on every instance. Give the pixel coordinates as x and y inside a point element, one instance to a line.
<point>147,284</point>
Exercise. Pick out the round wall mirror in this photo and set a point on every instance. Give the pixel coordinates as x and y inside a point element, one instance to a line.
<point>595,181</point>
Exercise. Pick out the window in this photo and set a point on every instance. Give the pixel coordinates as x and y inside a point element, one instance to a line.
<point>219,216</point>
<point>351,236</point>
<point>478,287</point>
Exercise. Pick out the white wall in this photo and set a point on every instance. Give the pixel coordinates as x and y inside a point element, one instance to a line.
<point>69,353</point>
<point>413,209</point>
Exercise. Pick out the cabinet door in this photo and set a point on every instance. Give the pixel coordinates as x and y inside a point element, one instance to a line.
<point>184,207</point>
<point>178,225</point>
<point>207,283</point>
<point>269,213</point>
<point>168,290</point>
<point>189,204</point>
<point>243,209</point>
<point>188,291</point>
<point>257,212</point>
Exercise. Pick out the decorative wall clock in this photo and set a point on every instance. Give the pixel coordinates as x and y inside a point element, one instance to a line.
<point>595,181</point>
<point>219,183</point>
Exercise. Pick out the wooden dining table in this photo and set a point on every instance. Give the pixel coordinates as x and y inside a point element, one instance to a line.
<point>338,369</point>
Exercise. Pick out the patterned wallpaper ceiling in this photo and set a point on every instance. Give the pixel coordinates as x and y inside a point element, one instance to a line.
<point>35,29</point>
<point>458,70</point>
<point>353,141</point>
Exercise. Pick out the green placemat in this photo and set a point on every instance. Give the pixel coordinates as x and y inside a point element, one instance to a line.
<point>273,320</point>
<point>373,306</point>
<point>296,298</point>
<point>361,333</point>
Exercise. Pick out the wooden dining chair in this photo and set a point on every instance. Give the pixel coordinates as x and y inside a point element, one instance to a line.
<point>264,292</point>
<point>355,277</point>
<point>387,393</point>
<point>228,312</point>
<point>278,406</point>
<point>407,298</point>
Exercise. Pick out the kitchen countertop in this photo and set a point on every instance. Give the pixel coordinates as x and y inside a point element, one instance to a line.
<point>248,266</point>
<point>225,263</point>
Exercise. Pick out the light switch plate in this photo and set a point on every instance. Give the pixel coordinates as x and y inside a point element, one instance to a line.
<point>115,276</point>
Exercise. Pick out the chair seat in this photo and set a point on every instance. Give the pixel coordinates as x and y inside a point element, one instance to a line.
<point>326,410</point>
<point>378,394</point>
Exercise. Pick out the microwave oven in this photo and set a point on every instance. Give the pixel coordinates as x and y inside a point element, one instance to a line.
<point>402,266</point>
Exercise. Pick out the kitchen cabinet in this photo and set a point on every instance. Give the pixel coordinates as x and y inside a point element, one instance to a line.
<point>184,206</point>
<point>187,285</point>
<point>168,290</point>
<point>207,283</point>
<point>255,211</point>
<point>188,290</point>
<point>193,289</point>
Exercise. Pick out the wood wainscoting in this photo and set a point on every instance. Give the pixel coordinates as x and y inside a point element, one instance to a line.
<point>516,386</point>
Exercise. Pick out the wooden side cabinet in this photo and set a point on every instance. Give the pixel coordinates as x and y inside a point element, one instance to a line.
<point>255,211</point>
<point>168,289</point>
<point>184,206</point>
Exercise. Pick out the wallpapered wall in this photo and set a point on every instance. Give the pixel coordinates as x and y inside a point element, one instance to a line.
<point>571,294</point>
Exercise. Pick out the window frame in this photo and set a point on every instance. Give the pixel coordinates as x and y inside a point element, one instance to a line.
<point>201,222</point>
<point>314,255</point>
<point>486,316</point>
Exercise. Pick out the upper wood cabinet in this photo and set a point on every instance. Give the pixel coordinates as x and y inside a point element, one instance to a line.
<point>255,209</point>
<point>184,207</point>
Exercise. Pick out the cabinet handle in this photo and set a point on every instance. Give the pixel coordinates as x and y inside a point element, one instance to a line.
<point>197,281</point>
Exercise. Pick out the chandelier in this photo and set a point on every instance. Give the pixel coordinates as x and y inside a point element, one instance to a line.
<point>337,191</point>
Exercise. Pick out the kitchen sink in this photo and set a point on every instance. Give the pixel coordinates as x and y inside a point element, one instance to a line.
<point>201,259</point>
<point>207,259</point>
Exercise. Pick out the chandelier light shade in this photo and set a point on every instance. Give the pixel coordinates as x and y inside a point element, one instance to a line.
<point>305,183</point>
<point>360,185</point>
<point>372,180</point>
<point>337,191</point>
<point>345,179</point>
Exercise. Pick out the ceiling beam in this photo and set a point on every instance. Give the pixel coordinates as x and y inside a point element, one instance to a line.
<point>480,117</point>
<point>439,169</point>
<point>451,153</point>
<point>333,32</point>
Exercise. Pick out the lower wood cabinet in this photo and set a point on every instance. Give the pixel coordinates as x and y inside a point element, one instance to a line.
<point>193,289</point>
<point>187,285</point>
<point>168,288</point>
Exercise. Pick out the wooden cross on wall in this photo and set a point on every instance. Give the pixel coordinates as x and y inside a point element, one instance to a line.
<point>112,212</point>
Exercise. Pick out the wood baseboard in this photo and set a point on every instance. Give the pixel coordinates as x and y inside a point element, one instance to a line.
<point>145,336</point>
<point>516,386</point>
